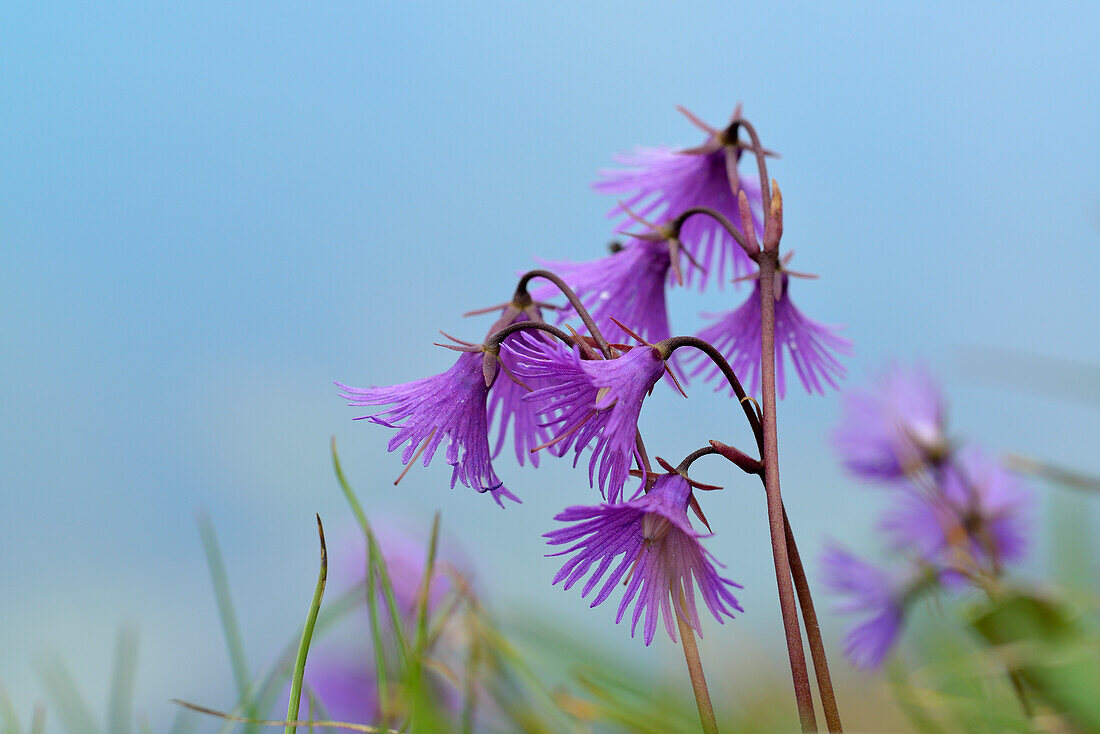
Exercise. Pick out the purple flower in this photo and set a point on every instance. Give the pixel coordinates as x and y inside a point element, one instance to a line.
<point>586,400</point>
<point>345,686</point>
<point>662,183</point>
<point>507,405</point>
<point>977,509</point>
<point>659,549</point>
<point>809,344</point>
<point>450,405</point>
<point>870,592</point>
<point>628,285</point>
<point>895,427</point>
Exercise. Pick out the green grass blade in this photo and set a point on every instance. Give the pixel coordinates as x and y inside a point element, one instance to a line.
<point>120,706</point>
<point>71,708</point>
<point>307,635</point>
<point>376,554</point>
<point>220,579</point>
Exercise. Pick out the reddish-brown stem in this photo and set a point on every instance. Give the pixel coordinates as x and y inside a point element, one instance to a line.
<point>769,262</point>
<point>668,346</point>
<point>499,336</point>
<point>813,633</point>
<point>727,225</point>
<point>574,301</point>
<point>761,165</point>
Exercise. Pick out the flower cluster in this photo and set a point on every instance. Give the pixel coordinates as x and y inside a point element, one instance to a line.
<point>544,389</point>
<point>958,516</point>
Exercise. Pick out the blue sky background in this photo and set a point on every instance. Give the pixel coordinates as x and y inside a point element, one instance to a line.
<point>209,211</point>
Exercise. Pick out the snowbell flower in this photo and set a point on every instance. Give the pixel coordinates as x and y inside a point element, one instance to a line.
<point>660,183</point>
<point>977,512</point>
<point>895,427</point>
<point>450,405</point>
<point>809,345</point>
<point>878,597</point>
<point>507,407</point>
<point>655,548</point>
<point>591,400</point>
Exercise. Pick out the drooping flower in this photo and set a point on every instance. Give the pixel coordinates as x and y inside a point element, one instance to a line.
<point>878,597</point>
<point>809,345</point>
<point>507,406</point>
<point>450,405</point>
<point>660,183</point>
<point>627,285</point>
<point>976,512</point>
<point>895,427</point>
<point>591,400</point>
<point>657,550</point>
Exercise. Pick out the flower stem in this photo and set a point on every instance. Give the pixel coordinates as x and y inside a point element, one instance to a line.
<point>574,301</point>
<point>769,262</point>
<point>813,633</point>
<point>695,670</point>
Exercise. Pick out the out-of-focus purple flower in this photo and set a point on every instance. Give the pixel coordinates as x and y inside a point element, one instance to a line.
<point>449,405</point>
<point>894,427</point>
<point>347,689</point>
<point>586,400</point>
<point>873,594</point>
<point>977,509</point>
<point>628,285</point>
<point>661,183</point>
<point>658,548</point>
<point>809,344</point>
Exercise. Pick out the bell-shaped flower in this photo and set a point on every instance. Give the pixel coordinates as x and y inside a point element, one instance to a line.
<point>661,183</point>
<point>450,405</point>
<point>809,345</point>
<point>586,401</point>
<point>651,542</point>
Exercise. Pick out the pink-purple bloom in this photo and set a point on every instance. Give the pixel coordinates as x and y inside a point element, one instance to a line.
<point>976,512</point>
<point>507,407</point>
<point>809,345</point>
<point>591,400</point>
<point>895,427</point>
<point>870,592</point>
<point>655,548</point>
<point>450,405</point>
<point>660,183</point>
<point>628,285</point>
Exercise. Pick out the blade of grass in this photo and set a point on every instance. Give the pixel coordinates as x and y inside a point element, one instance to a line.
<point>7,714</point>
<point>220,579</point>
<point>120,707</point>
<point>424,716</point>
<point>274,676</point>
<point>375,553</point>
<point>71,708</point>
<point>307,635</point>
<point>38,723</point>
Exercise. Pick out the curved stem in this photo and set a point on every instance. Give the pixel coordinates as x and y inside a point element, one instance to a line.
<point>722,220</point>
<point>761,166</point>
<point>695,670</point>
<point>498,337</point>
<point>768,262</point>
<point>690,459</point>
<point>668,346</point>
<point>574,301</point>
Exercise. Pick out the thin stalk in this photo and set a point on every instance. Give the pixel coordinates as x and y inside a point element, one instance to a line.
<point>499,336</point>
<point>695,670</point>
<point>307,636</point>
<point>574,301</point>
<point>761,165</point>
<point>723,221</point>
<point>813,633</point>
<point>770,454</point>
<point>668,346</point>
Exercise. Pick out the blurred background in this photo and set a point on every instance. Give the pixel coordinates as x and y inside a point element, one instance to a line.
<point>210,211</point>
